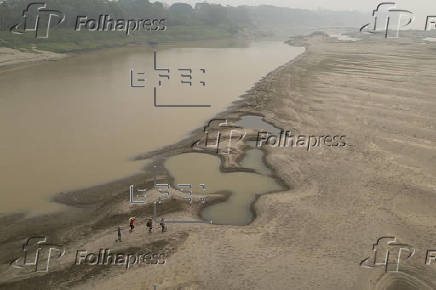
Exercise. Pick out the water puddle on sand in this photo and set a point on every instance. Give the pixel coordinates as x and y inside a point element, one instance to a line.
<point>257,123</point>
<point>200,168</point>
<point>254,160</point>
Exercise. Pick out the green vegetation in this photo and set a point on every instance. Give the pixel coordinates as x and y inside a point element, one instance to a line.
<point>67,40</point>
<point>184,23</point>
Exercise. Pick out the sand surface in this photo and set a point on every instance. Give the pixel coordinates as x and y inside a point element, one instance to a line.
<point>11,57</point>
<point>380,95</point>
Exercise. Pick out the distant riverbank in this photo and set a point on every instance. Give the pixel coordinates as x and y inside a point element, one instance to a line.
<point>66,40</point>
<point>11,57</point>
<point>25,48</point>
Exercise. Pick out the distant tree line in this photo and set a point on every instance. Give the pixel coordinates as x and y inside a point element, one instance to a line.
<point>233,18</point>
<point>177,14</point>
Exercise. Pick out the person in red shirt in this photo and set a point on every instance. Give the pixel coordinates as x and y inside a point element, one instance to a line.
<point>131,221</point>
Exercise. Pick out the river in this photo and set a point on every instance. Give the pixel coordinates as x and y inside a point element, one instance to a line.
<point>78,122</point>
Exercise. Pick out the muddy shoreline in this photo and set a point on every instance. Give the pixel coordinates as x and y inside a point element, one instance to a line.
<point>313,234</point>
<point>91,209</point>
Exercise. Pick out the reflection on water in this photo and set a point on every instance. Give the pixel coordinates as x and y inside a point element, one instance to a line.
<point>76,122</point>
<point>199,168</point>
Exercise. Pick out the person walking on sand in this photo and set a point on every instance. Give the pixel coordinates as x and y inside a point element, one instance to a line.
<point>131,221</point>
<point>162,225</point>
<point>119,234</point>
<point>150,225</point>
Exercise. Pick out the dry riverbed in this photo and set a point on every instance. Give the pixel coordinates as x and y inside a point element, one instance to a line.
<point>378,93</point>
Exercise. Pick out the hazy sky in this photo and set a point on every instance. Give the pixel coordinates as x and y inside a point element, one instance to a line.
<point>420,8</point>
<point>362,5</point>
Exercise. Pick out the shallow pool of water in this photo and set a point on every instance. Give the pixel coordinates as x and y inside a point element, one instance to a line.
<point>200,168</point>
<point>257,123</point>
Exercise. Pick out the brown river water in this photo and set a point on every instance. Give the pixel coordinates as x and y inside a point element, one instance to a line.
<point>77,122</point>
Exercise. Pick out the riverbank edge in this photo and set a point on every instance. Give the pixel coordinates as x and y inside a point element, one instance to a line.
<point>89,209</point>
<point>87,197</point>
<point>40,56</point>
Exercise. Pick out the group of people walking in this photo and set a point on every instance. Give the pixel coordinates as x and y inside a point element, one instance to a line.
<point>149,226</point>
